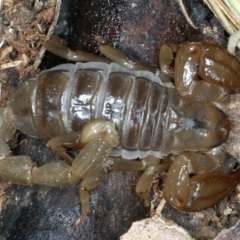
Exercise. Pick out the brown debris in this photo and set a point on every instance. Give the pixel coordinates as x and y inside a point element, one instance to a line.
<point>3,197</point>
<point>23,32</point>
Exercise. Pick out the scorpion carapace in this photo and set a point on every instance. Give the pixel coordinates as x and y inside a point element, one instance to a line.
<point>110,112</point>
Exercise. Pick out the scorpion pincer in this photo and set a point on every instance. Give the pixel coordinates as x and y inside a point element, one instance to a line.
<point>112,110</point>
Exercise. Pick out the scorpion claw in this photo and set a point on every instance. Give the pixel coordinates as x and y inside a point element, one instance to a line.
<point>207,189</point>
<point>200,73</point>
<point>198,192</point>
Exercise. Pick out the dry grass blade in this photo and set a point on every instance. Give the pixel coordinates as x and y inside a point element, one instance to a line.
<point>1,5</point>
<point>183,9</point>
<point>233,42</point>
<point>227,12</point>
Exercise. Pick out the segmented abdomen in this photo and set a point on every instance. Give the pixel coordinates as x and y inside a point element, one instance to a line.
<point>133,100</point>
<point>150,116</point>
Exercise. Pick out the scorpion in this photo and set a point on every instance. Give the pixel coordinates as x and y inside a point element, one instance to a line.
<point>102,112</point>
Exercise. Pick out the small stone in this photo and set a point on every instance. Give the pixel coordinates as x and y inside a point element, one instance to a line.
<point>233,220</point>
<point>208,232</point>
<point>227,211</point>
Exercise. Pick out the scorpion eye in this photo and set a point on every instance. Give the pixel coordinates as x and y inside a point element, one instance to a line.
<point>197,124</point>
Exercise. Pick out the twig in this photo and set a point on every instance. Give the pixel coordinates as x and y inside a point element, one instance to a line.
<point>183,9</point>
<point>10,64</point>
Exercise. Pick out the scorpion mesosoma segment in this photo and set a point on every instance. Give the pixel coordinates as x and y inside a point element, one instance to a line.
<point>110,110</point>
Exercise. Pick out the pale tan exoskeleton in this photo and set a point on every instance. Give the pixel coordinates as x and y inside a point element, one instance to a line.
<point>113,110</point>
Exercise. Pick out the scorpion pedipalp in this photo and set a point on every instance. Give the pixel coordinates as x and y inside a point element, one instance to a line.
<point>204,189</point>
<point>219,67</point>
<point>190,65</point>
<point>202,71</point>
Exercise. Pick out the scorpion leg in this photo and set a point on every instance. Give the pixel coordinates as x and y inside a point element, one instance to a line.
<point>201,190</point>
<point>118,57</point>
<point>151,168</point>
<point>96,141</point>
<point>72,55</point>
<point>61,143</point>
<point>98,138</point>
<point>90,182</point>
<point>6,130</point>
<point>4,149</point>
<point>166,56</point>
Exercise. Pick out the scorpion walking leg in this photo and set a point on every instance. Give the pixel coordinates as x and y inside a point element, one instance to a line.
<point>200,191</point>
<point>72,55</point>
<point>61,143</point>
<point>151,168</point>
<point>88,183</point>
<point>91,163</point>
<point>97,138</point>
<point>118,57</point>
<point>166,56</point>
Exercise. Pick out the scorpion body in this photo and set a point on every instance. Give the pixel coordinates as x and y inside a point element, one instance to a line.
<point>150,116</point>
<point>127,111</point>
